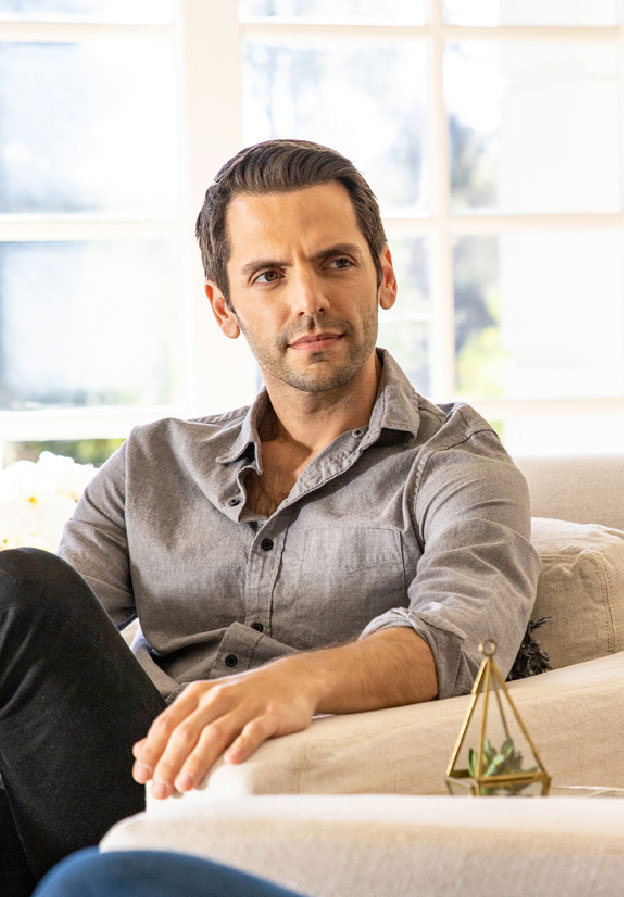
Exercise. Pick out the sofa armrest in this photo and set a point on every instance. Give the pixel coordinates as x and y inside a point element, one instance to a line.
<point>378,845</point>
<point>575,716</point>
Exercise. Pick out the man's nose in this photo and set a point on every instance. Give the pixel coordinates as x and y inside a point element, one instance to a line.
<point>308,294</point>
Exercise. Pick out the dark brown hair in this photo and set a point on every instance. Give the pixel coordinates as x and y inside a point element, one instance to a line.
<point>278,166</point>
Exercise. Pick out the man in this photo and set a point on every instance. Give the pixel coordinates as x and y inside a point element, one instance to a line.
<point>341,545</point>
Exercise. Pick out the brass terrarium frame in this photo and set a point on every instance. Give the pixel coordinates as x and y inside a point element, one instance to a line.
<point>491,771</point>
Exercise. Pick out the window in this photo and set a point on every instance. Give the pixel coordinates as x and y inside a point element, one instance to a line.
<point>490,131</point>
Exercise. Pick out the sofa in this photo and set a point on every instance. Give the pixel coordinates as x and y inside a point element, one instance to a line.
<point>356,804</point>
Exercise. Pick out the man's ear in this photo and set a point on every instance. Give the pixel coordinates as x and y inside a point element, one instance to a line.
<point>224,316</point>
<point>387,291</point>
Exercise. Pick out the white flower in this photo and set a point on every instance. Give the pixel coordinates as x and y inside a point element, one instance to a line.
<point>69,478</point>
<point>36,500</point>
<point>22,481</point>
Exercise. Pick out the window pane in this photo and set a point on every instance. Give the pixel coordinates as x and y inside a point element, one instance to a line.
<point>408,343</point>
<point>533,128</point>
<point>479,359</point>
<point>540,316</point>
<point>87,127</point>
<point>403,12</point>
<point>88,324</point>
<point>404,329</point>
<point>83,451</point>
<point>531,12</point>
<point>122,11</point>
<point>344,95</point>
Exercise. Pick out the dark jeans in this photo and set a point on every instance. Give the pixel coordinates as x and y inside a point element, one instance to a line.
<point>151,873</point>
<point>73,700</point>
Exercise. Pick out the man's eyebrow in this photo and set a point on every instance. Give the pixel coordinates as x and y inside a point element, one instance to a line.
<point>337,249</point>
<point>334,249</point>
<point>256,264</point>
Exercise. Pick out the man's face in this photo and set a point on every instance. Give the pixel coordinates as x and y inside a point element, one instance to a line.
<point>303,286</point>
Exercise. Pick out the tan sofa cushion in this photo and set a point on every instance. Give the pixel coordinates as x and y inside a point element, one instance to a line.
<point>586,488</point>
<point>581,588</point>
<point>380,845</point>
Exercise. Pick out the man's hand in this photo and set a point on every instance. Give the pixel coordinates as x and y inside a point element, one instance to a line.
<point>236,713</point>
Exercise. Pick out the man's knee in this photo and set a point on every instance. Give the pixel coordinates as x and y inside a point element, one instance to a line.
<point>28,564</point>
<point>29,573</point>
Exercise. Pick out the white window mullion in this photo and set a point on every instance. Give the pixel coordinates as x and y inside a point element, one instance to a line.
<point>516,409</point>
<point>78,423</point>
<point>283,29</point>
<point>507,224</point>
<point>70,32</point>
<point>533,34</point>
<point>50,228</point>
<point>210,91</point>
<point>442,342</point>
<point>485,223</point>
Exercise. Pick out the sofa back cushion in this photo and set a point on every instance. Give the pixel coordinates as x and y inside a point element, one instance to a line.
<point>584,489</point>
<point>581,589</point>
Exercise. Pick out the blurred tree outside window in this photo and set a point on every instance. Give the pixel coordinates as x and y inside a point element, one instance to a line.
<point>83,451</point>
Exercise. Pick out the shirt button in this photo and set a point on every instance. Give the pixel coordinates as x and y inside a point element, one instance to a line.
<point>233,502</point>
<point>258,627</point>
<point>357,433</point>
<point>231,660</point>
<point>266,544</point>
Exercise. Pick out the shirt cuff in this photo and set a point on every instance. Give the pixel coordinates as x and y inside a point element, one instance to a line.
<point>456,670</point>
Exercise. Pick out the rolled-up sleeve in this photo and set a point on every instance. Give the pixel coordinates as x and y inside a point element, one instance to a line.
<point>477,576</point>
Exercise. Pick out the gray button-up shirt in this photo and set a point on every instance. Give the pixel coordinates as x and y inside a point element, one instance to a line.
<point>419,519</point>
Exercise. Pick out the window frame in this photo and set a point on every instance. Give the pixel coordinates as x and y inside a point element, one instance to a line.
<point>210,131</point>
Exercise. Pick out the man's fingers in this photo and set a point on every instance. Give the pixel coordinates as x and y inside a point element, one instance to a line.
<point>138,747</point>
<point>202,736</point>
<point>197,744</point>
<point>209,718</point>
<point>253,735</point>
<point>150,749</point>
<point>211,743</point>
<point>141,772</point>
<point>193,748</point>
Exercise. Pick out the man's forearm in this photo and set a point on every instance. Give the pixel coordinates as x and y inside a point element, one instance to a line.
<point>390,668</point>
<point>237,714</point>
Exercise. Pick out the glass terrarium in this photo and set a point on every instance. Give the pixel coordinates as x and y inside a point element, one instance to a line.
<point>494,754</point>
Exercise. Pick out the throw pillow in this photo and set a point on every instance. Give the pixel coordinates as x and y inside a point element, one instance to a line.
<point>580,590</point>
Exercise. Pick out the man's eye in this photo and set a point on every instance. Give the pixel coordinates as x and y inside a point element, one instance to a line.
<point>267,277</point>
<point>341,263</point>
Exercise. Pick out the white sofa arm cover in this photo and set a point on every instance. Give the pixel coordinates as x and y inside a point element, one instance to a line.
<point>380,845</point>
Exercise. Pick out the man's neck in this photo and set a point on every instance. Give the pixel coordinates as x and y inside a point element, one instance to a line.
<point>305,423</point>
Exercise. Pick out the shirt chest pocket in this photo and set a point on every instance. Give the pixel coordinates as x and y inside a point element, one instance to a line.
<point>347,577</point>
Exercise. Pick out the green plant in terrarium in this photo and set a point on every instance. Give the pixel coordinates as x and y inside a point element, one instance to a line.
<point>507,761</point>
<point>491,720</point>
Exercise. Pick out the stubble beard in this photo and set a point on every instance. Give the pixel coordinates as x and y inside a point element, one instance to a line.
<point>320,374</point>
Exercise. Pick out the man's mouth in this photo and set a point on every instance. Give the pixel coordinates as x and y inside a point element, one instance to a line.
<point>312,342</point>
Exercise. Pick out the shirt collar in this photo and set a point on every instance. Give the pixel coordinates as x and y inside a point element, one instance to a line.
<point>395,408</point>
<point>396,405</point>
<point>248,440</point>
